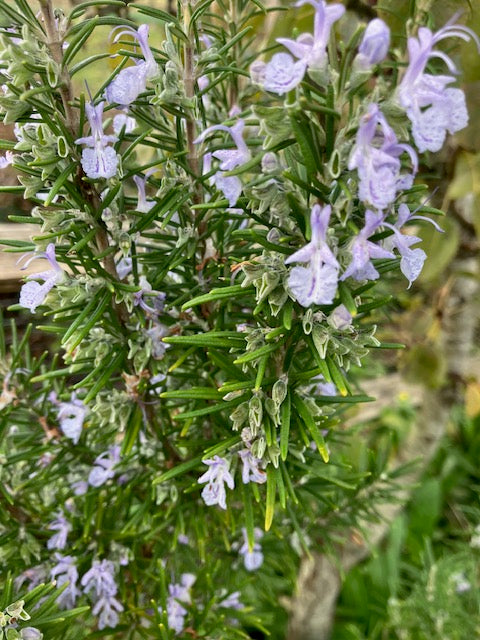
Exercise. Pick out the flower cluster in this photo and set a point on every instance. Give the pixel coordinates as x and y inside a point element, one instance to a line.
<point>179,593</point>
<point>99,583</point>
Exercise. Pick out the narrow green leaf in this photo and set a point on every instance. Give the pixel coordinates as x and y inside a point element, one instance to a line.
<point>193,393</point>
<point>285,415</point>
<point>217,294</point>
<point>248,515</point>
<point>178,470</point>
<point>337,377</point>
<point>258,353</point>
<point>59,182</point>
<point>270,499</point>
<point>105,377</point>
<point>206,411</point>
<point>77,42</point>
<point>221,447</point>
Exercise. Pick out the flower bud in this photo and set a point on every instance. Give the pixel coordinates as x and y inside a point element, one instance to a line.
<point>269,162</point>
<point>340,318</point>
<point>279,390</point>
<point>374,46</point>
<point>31,633</point>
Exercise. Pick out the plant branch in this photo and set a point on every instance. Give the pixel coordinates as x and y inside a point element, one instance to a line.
<point>54,43</point>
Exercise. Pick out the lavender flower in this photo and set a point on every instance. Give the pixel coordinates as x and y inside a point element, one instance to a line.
<point>103,467</point>
<point>124,267</point>
<point>155,334</point>
<point>316,283</point>
<point>252,558</point>
<point>411,261</point>
<point>30,633</point>
<point>99,582</point>
<point>143,205</point>
<point>323,388</point>
<point>313,49</point>
<point>216,477</point>
<point>230,186</point>
<point>63,527</point>
<point>71,416</point>
<point>34,576</point>
<point>251,471</point>
<point>374,46</point>
<point>32,293</point>
<point>363,250</point>
<point>66,571</point>
<point>6,160</point>
<point>232,601</point>
<point>120,121</point>
<point>340,318</point>
<point>178,593</point>
<point>98,159</point>
<point>432,108</point>
<point>376,157</point>
<point>146,291</point>
<point>132,81</point>
<point>282,73</point>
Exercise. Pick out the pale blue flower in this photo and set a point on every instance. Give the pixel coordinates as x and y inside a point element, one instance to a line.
<point>317,282</point>
<point>6,160</point>
<point>376,156</point>
<point>374,46</point>
<point>282,73</point>
<point>124,267</point>
<point>324,388</point>
<point>232,601</point>
<point>66,571</point>
<point>216,477</point>
<point>63,527</point>
<point>230,186</point>
<point>312,50</point>
<point>30,633</point>
<point>103,467</point>
<point>433,108</point>
<point>340,318</point>
<point>122,120</point>
<point>32,293</point>
<point>98,159</point>
<point>411,261</point>
<point>252,558</point>
<point>71,416</point>
<point>178,593</point>
<point>363,250</point>
<point>99,583</point>
<point>107,609</point>
<point>132,81</point>
<point>251,471</point>
<point>146,291</point>
<point>143,205</point>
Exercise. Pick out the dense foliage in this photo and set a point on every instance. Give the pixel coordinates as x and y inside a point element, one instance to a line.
<point>217,230</point>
